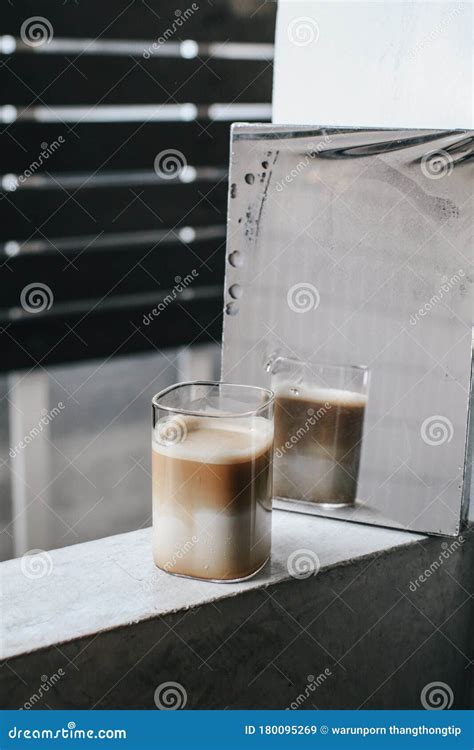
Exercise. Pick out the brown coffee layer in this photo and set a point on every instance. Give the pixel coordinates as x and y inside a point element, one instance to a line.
<point>317,448</point>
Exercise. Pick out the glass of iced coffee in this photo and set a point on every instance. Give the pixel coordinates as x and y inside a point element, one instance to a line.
<point>319,423</point>
<point>212,446</point>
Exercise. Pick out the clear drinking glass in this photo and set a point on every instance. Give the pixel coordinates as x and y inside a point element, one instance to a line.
<point>319,423</point>
<point>212,446</point>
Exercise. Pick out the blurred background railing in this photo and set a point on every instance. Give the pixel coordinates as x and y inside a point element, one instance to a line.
<point>115,124</point>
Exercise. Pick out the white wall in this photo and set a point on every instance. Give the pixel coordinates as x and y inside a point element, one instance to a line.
<point>393,63</point>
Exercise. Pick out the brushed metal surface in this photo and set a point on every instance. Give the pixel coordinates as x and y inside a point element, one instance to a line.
<point>354,247</point>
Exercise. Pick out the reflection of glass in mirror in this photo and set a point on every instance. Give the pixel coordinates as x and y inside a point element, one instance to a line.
<point>319,421</point>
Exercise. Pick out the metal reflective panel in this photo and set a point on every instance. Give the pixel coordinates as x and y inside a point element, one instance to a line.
<point>354,247</point>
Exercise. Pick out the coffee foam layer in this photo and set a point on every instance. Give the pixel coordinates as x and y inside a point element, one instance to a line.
<point>212,440</point>
<point>320,394</point>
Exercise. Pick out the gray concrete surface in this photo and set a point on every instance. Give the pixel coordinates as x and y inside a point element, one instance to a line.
<point>108,628</point>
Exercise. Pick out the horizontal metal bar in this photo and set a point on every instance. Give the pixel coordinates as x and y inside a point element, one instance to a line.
<point>240,51</point>
<point>101,113</point>
<point>118,302</point>
<point>147,48</point>
<point>109,241</point>
<point>118,178</point>
<point>137,113</point>
<point>242,112</point>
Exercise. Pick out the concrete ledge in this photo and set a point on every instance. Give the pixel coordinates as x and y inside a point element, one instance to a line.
<point>109,627</point>
<point>109,583</point>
